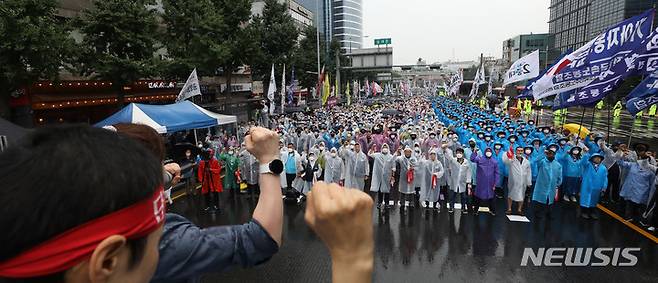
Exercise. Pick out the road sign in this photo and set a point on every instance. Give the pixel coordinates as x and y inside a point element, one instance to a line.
<point>382,41</point>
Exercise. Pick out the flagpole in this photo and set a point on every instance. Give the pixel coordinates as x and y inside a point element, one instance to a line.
<point>582,120</point>
<point>591,126</point>
<point>608,134</point>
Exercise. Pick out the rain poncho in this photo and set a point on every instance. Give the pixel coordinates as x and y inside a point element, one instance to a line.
<point>549,177</point>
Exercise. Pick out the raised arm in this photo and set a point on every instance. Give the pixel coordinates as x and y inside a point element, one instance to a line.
<point>263,144</point>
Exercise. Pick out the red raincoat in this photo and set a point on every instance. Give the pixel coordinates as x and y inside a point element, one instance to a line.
<point>214,182</point>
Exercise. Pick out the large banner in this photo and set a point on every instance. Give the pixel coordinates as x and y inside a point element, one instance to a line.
<point>523,69</point>
<point>644,95</point>
<point>641,61</point>
<point>595,59</point>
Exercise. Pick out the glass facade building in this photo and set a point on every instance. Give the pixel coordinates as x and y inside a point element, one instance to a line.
<point>339,19</point>
<point>347,20</point>
<point>568,23</point>
<point>573,23</point>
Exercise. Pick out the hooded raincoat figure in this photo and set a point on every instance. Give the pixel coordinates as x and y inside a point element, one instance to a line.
<point>249,167</point>
<point>460,179</point>
<point>382,169</point>
<point>520,178</point>
<point>211,183</point>
<point>487,177</point>
<point>408,165</point>
<point>595,180</point>
<point>333,167</point>
<point>231,170</point>
<point>356,167</point>
<point>549,177</point>
<point>432,170</point>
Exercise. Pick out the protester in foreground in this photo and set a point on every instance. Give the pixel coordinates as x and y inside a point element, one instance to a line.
<point>342,218</point>
<point>520,178</point>
<point>487,175</point>
<point>595,181</point>
<point>549,178</point>
<point>108,232</point>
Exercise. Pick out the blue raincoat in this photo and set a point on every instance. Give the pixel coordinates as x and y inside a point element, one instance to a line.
<point>549,177</point>
<point>638,182</point>
<point>595,179</point>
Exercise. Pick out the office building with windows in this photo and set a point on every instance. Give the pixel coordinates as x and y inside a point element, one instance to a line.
<point>339,19</point>
<point>524,44</point>
<point>568,23</point>
<point>573,23</point>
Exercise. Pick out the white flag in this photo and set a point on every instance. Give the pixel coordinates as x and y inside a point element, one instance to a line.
<point>283,89</point>
<point>191,87</point>
<point>523,69</point>
<point>271,90</point>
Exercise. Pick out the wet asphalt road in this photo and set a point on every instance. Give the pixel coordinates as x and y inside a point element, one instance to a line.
<point>427,246</point>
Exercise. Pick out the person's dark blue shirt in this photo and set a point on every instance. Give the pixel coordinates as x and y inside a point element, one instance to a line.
<point>188,251</point>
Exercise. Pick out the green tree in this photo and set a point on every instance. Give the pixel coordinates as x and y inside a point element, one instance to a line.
<point>119,42</point>
<point>33,45</point>
<point>277,39</point>
<point>193,37</point>
<point>305,59</point>
<point>240,38</point>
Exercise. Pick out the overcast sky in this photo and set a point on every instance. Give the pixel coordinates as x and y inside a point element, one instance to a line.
<point>436,29</point>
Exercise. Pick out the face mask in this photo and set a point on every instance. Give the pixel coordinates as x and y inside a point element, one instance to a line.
<point>501,137</point>
<point>546,131</point>
<point>563,142</point>
<point>290,150</point>
<point>524,135</point>
<point>576,152</point>
<point>528,152</point>
<point>322,148</point>
<point>488,154</point>
<point>432,136</point>
<point>351,147</point>
<point>187,154</point>
<point>487,139</point>
<point>333,154</point>
<point>311,158</point>
<point>459,155</point>
<point>497,147</point>
<point>512,140</point>
<point>385,150</point>
<point>230,152</point>
<point>480,136</point>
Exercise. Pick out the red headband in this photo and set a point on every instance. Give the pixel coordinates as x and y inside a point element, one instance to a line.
<point>75,245</point>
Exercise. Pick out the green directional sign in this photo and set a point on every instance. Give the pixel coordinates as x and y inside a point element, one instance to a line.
<point>382,41</point>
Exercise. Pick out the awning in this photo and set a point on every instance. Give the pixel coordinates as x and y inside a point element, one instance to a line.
<point>168,118</point>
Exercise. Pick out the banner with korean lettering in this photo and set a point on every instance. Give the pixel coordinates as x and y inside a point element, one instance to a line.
<point>644,95</point>
<point>523,69</point>
<point>641,61</point>
<point>596,58</point>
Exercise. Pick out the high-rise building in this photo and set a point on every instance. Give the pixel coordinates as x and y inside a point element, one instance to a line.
<point>302,15</point>
<point>575,22</point>
<point>338,19</point>
<point>604,13</point>
<point>568,23</point>
<point>524,44</point>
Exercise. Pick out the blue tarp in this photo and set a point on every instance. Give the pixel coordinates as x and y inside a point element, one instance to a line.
<point>168,118</point>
